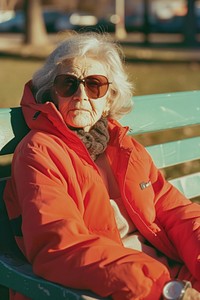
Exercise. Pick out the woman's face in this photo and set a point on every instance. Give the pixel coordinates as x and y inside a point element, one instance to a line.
<point>79,110</point>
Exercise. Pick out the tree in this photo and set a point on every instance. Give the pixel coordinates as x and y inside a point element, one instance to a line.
<point>7,4</point>
<point>120,30</point>
<point>146,26</point>
<point>190,24</point>
<point>35,30</point>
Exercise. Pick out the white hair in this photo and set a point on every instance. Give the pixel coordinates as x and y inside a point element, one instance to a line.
<point>93,45</point>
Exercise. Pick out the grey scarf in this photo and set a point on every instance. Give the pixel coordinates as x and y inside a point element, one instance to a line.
<point>96,139</point>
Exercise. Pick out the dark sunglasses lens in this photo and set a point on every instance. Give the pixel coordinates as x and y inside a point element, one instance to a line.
<point>66,85</point>
<point>96,86</point>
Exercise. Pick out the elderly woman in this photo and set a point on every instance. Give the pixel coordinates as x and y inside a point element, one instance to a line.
<point>81,215</point>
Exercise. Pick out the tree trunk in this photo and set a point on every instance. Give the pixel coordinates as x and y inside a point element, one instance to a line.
<point>35,30</point>
<point>190,24</point>
<point>146,26</point>
<point>120,29</point>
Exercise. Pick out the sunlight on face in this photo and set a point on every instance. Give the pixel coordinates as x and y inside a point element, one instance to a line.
<point>78,110</point>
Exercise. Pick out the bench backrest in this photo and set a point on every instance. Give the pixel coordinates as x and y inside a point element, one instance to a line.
<point>162,113</point>
<point>152,113</point>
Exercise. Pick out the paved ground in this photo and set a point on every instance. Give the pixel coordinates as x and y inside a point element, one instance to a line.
<point>161,47</point>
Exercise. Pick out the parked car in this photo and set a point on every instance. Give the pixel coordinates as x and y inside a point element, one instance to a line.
<point>13,24</point>
<point>175,24</point>
<point>76,21</point>
<point>134,23</point>
<point>6,15</point>
<point>16,23</point>
<point>106,24</point>
<point>51,17</point>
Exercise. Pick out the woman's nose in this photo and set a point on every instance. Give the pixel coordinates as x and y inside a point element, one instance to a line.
<point>80,94</point>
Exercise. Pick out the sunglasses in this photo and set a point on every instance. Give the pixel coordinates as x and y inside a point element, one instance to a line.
<point>96,86</point>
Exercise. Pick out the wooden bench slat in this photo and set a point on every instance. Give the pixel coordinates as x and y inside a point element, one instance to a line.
<point>189,185</point>
<point>163,111</point>
<point>12,129</point>
<point>176,152</point>
<point>6,127</point>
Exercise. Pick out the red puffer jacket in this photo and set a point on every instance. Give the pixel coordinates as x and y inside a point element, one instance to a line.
<point>68,230</point>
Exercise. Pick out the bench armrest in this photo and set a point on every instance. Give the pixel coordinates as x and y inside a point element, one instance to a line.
<point>17,273</point>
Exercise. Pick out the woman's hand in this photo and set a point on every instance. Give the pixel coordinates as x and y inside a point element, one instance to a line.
<point>191,294</point>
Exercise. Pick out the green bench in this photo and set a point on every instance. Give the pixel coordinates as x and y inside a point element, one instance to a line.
<point>153,118</point>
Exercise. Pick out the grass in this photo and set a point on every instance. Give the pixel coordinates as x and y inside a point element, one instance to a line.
<point>14,73</point>
<point>153,78</point>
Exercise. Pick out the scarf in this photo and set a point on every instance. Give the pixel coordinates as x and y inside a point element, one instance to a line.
<point>96,139</point>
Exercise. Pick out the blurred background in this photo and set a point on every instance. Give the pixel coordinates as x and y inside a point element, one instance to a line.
<point>160,39</point>
<point>170,16</point>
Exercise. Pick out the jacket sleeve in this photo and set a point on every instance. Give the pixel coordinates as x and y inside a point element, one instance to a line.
<point>180,219</point>
<point>59,245</point>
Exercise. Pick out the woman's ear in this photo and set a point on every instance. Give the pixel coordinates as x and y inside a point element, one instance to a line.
<point>106,109</point>
<point>105,114</point>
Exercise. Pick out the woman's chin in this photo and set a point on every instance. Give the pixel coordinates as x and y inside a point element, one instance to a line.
<point>79,125</point>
